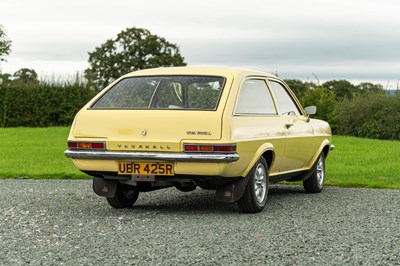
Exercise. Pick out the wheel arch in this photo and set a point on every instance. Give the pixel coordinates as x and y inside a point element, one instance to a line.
<point>267,151</point>
<point>325,148</point>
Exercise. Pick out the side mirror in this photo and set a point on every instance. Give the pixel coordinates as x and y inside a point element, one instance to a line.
<point>310,110</point>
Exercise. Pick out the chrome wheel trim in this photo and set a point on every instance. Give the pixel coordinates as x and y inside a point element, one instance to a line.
<point>320,171</point>
<point>260,183</point>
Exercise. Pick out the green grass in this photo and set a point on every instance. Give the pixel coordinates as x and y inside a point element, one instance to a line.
<point>359,162</point>
<point>35,153</point>
<point>38,153</point>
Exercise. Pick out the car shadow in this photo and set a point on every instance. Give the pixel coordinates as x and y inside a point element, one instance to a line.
<point>202,201</point>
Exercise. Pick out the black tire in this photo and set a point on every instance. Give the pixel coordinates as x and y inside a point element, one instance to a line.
<point>315,183</point>
<point>256,192</point>
<point>124,197</point>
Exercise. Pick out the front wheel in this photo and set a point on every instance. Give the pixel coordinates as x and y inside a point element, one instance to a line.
<point>256,191</point>
<point>124,197</point>
<point>315,183</point>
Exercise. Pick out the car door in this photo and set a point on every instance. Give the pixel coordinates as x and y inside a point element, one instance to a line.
<point>256,121</point>
<point>298,130</point>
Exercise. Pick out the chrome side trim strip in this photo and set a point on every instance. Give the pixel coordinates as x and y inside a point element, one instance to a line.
<point>177,157</point>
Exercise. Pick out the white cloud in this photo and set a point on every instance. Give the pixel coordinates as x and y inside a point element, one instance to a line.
<point>338,39</point>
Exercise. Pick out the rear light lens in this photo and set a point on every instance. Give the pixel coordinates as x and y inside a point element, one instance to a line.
<point>217,148</point>
<point>98,145</point>
<point>86,145</point>
<point>225,148</point>
<point>72,144</point>
<point>191,148</point>
<point>206,148</point>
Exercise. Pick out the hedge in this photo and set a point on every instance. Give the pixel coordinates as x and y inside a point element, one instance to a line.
<point>41,104</point>
<point>370,116</point>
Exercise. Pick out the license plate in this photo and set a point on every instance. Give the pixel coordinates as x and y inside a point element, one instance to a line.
<point>148,168</point>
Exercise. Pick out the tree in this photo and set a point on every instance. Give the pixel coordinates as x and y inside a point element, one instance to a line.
<point>369,116</point>
<point>299,87</point>
<point>342,88</point>
<point>5,44</point>
<point>5,78</point>
<point>325,101</point>
<point>132,49</point>
<point>367,87</point>
<point>26,75</point>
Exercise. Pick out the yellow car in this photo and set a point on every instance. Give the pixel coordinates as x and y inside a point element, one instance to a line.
<point>231,130</point>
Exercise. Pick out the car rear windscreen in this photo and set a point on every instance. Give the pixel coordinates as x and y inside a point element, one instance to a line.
<point>163,92</point>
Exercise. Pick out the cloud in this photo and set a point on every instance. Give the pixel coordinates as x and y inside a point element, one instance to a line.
<point>333,39</point>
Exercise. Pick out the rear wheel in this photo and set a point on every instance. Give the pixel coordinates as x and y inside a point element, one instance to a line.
<point>315,183</point>
<point>256,192</point>
<point>124,197</point>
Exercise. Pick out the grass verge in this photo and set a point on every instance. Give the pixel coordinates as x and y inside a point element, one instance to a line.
<point>38,153</point>
<point>359,162</point>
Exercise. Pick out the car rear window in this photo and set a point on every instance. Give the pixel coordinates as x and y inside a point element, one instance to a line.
<point>163,92</point>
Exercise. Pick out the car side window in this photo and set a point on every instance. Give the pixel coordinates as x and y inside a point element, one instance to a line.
<point>255,98</point>
<point>284,100</point>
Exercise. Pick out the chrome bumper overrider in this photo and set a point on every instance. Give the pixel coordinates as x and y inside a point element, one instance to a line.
<point>176,157</point>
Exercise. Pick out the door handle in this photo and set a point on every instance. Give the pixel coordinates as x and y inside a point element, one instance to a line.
<point>288,126</point>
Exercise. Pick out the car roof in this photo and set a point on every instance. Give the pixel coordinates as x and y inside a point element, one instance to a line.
<point>222,71</point>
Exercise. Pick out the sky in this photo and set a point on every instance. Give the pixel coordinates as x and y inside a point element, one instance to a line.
<point>310,40</point>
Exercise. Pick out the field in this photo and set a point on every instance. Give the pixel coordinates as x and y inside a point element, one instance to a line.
<point>359,162</point>
<point>38,153</point>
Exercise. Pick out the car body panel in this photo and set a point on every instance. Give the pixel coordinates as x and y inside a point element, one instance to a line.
<point>142,130</point>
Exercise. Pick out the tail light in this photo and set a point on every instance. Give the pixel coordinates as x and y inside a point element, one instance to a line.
<point>216,148</point>
<point>86,145</point>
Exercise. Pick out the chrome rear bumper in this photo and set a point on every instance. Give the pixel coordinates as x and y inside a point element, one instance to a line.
<point>176,157</point>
